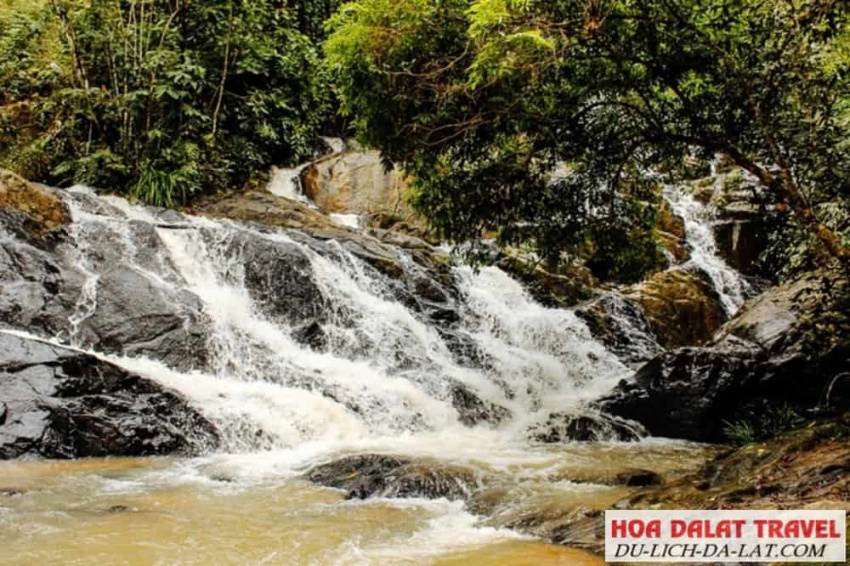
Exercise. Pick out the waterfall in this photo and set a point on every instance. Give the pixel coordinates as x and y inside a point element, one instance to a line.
<point>302,347</point>
<point>384,367</point>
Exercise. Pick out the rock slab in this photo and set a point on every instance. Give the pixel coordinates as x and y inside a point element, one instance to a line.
<point>61,403</point>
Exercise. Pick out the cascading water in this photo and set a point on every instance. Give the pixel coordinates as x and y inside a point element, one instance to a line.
<point>385,369</point>
<point>310,352</point>
<point>287,183</point>
<point>729,284</point>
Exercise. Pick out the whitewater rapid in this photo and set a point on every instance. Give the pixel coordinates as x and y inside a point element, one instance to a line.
<point>386,371</point>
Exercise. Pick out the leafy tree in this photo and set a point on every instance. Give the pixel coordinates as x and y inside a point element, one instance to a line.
<point>167,98</point>
<point>312,14</point>
<point>483,100</point>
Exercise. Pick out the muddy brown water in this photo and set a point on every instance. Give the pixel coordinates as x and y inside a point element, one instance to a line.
<point>244,509</point>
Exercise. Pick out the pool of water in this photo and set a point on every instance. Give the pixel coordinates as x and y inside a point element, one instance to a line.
<point>256,509</point>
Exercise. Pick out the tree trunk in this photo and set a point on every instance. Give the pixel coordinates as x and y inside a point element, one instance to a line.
<point>786,189</point>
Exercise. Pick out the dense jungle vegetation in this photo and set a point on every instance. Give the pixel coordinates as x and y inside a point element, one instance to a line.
<point>550,123</point>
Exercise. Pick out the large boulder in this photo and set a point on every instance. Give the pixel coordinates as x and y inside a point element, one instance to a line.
<point>787,349</point>
<point>683,308</point>
<point>375,475</point>
<point>357,182</point>
<point>134,315</point>
<point>75,281</point>
<point>60,403</point>
<point>686,393</point>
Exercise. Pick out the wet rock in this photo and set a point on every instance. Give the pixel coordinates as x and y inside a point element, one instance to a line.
<point>124,310</point>
<point>66,404</point>
<point>473,410</point>
<point>587,427</point>
<point>639,478</point>
<point>621,325</point>
<point>683,308</point>
<point>10,492</point>
<point>279,277</point>
<point>431,481</point>
<point>783,350</point>
<point>374,475</point>
<point>311,334</point>
<point>135,316</point>
<point>357,475</point>
<point>686,393</point>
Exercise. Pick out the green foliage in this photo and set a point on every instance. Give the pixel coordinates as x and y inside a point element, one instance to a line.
<point>312,14</point>
<point>163,99</point>
<point>625,248</point>
<point>791,249</point>
<point>772,422</point>
<point>740,433</point>
<point>482,100</point>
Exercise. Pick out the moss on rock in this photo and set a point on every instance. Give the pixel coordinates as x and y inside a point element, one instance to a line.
<point>44,213</point>
<point>684,309</point>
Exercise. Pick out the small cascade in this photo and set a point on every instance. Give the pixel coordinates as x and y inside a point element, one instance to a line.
<point>287,183</point>
<point>729,284</point>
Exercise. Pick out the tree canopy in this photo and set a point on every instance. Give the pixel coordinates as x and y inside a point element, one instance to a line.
<point>549,123</point>
<point>488,102</point>
<point>162,99</point>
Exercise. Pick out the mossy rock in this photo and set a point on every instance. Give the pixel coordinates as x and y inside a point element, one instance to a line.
<point>684,309</point>
<point>669,221</point>
<point>44,213</point>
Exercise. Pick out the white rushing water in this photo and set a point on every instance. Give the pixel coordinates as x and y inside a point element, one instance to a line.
<point>286,182</point>
<point>386,370</point>
<point>729,284</point>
